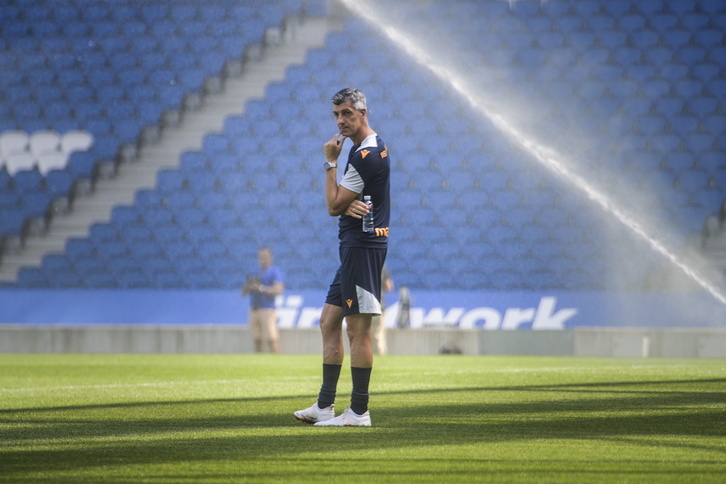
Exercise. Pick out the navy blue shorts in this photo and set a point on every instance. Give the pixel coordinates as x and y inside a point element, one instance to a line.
<point>357,284</point>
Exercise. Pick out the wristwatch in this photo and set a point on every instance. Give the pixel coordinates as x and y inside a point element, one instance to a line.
<point>328,165</point>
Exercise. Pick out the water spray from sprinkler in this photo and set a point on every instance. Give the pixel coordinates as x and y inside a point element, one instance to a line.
<point>546,156</point>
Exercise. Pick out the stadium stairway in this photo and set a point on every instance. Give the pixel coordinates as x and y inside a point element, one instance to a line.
<point>138,169</point>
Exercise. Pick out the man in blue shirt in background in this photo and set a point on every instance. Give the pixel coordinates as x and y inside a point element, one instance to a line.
<point>263,289</point>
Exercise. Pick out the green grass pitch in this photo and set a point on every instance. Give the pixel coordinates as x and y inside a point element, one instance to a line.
<point>228,418</point>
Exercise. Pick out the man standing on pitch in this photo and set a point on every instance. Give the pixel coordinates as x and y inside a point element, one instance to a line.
<point>263,290</point>
<point>355,291</point>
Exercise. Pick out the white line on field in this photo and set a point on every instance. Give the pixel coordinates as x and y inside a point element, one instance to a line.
<point>278,379</point>
<point>150,385</point>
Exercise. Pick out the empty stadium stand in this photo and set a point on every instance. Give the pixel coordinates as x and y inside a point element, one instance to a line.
<point>629,93</point>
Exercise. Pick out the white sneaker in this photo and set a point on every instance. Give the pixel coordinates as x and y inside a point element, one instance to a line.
<point>315,414</point>
<point>348,419</point>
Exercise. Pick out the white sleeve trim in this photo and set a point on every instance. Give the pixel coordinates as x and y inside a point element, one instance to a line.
<point>352,180</point>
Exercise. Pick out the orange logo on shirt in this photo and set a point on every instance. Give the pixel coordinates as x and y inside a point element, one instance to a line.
<point>364,153</point>
<point>349,302</point>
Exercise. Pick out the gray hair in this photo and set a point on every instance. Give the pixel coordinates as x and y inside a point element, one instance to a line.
<point>350,95</point>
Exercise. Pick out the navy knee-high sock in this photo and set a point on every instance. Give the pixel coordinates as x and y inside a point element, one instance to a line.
<point>359,397</point>
<point>331,373</point>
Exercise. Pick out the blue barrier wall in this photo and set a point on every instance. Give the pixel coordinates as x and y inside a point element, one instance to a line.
<point>301,309</point>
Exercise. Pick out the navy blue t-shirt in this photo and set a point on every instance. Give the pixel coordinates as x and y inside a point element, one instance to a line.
<point>367,173</point>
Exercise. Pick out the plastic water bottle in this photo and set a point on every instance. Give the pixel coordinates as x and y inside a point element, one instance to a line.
<point>368,218</point>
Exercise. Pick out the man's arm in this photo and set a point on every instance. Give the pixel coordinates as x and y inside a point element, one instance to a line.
<point>337,198</point>
<point>249,286</point>
<point>274,290</point>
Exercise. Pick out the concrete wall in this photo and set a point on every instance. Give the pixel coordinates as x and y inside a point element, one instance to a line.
<point>638,343</point>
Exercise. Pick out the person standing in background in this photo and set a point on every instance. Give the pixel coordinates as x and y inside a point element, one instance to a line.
<point>263,289</point>
<point>380,344</point>
<point>404,308</point>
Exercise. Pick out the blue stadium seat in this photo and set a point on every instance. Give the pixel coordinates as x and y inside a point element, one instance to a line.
<point>702,106</point>
<point>123,216</point>
<point>170,181</point>
<point>706,71</point>
<point>664,142</point>
<point>185,260</point>
<point>710,197</point>
<point>715,123</point>
<point>193,161</point>
<point>215,143</point>
<point>110,251</point>
<point>84,265</point>
<point>100,280</point>
<point>202,235</point>
<point>135,76</point>
<point>170,94</point>
<point>169,233</point>
<point>652,124</point>
<point>697,142</point>
<point>237,187</point>
<point>127,130</point>
<point>66,279</point>
<point>35,203</point>
<point>683,123</point>
<point>167,279</point>
<point>669,106</point>
<point>692,180</point>
<point>212,62</point>
<point>709,37</point>
<point>506,199</point>
<point>56,263</point>
<point>192,78</point>
<point>134,279</point>
<point>202,279</point>
<point>695,21</point>
<point>134,234</point>
<point>154,212</point>
<point>190,218</point>
<point>604,107</point>
<point>28,180</point>
<point>692,54</point>
<point>212,201</point>
<point>181,200</point>
<point>203,183</point>
<point>9,200</point>
<point>214,250</point>
<point>57,110</point>
<point>122,263</point>
<point>156,13</point>
<point>98,233</point>
<point>718,173</point>
<point>690,217</point>
<point>102,30</point>
<point>26,110</point>
<point>32,278</point>
<point>143,250</point>
<point>148,198</point>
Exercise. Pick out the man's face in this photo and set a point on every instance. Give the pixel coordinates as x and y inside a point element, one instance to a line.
<point>348,119</point>
<point>264,258</point>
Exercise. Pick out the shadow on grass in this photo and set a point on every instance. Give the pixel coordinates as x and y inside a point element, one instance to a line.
<point>167,432</point>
